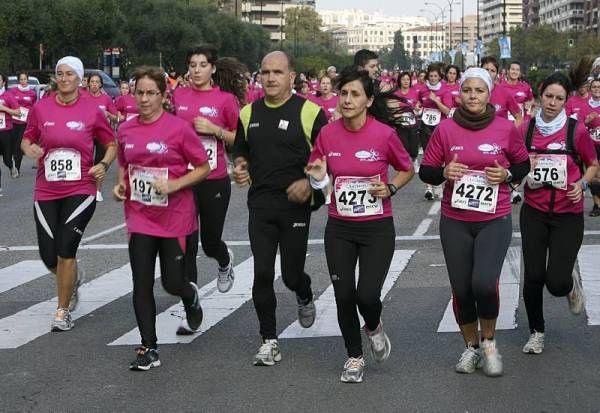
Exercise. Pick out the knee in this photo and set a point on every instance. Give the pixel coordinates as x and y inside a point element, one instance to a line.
<point>210,248</point>
<point>172,286</point>
<point>485,290</point>
<point>367,299</point>
<point>560,287</point>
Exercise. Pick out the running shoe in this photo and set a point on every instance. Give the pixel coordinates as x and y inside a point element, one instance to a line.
<point>468,360</point>
<point>515,197</point>
<point>438,191</point>
<point>535,344</point>
<point>595,212</point>
<point>226,276</point>
<point>379,343</point>
<point>193,313</point>
<point>268,354</point>
<point>99,197</point>
<point>416,165</point>
<point>576,298</point>
<point>75,295</point>
<point>491,360</point>
<point>1,194</point>
<point>306,312</point>
<point>62,320</point>
<point>354,368</point>
<point>429,193</point>
<point>145,359</point>
<point>14,172</point>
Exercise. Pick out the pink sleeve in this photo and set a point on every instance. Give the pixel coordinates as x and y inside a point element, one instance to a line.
<point>397,155</point>
<point>193,150</point>
<point>318,151</point>
<point>32,131</point>
<point>232,113</point>
<point>512,105</point>
<point>584,145</point>
<point>102,130</point>
<point>110,106</point>
<point>529,93</point>
<point>434,154</point>
<point>119,103</point>
<point>448,100</point>
<point>517,152</point>
<point>121,154</point>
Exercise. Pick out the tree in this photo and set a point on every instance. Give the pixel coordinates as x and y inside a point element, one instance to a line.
<point>397,56</point>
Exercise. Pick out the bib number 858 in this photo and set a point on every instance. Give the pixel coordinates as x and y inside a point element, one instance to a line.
<point>61,165</point>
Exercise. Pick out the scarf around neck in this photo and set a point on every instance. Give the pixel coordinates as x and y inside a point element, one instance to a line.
<point>473,121</point>
<point>595,104</point>
<point>435,87</point>
<point>23,89</point>
<point>548,128</point>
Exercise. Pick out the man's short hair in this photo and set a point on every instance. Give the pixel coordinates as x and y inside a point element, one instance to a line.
<point>362,57</point>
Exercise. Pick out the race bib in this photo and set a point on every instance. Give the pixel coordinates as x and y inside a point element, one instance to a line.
<point>353,199</point>
<point>210,144</point>
<point>431,117</point>
<point>2,120</point>
<point>595,134</point>
<point>549,170</point>
<point>24,114</point>
<point>141,180</point>
<point>62,164</point>
<point>473,192</point>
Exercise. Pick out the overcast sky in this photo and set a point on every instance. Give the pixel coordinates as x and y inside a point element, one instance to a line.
<point>396,7</point>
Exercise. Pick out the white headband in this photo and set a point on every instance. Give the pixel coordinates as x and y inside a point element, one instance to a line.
<point>479,73</point>
<point>74,63</point>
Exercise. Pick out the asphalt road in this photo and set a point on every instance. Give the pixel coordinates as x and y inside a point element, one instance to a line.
<point>79,371</point>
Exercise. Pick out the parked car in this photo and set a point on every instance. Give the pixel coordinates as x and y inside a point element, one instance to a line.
<point>33,82</point>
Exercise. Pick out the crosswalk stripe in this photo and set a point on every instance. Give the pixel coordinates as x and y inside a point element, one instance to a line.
<point>33,322</point>
<point>21,273</point>
<point>509,296</point>
<point>326,324</point>
<point>215,305</point>
<point>589,262</point>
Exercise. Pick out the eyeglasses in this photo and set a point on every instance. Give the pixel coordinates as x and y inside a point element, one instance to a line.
<point>149,93</point>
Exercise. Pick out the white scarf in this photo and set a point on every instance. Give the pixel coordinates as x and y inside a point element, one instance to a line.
<point>594,104</point>
<point>2,90</point>
<point>23,89</point>
<point>435,87</point>
<point>548,128</point>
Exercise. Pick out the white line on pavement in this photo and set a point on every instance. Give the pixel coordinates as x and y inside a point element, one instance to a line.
<point>435,208</point>
<point>20,273</point>
<point>101,234</point>
<point>326,324</point>
<point>422,228</point>
<point>509,296</point>
<point>589,262</point>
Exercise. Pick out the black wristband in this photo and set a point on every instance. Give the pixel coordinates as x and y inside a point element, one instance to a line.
<point>393,189</point>
<point>106,165</point>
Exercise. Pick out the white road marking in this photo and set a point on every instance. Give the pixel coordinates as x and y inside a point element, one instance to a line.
<point>326,324</point>
<point>102,233</point>
<point>509,296</point>
<point>20,273</point>
<point>435,208</point>
<point>423,227</point>
<point>589,264</point>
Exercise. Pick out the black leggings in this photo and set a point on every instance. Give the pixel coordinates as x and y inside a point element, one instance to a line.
<point>60,224</point>
<point>212,201</point>
<point>410,140</point>
<point>474,254</point>
<point>371,243</point>
<point>143,250</point>
<point>425,132</point>
<point>267,229</point>
<point>17,154</point>
<point>5,148</point>
<point>550,247</point>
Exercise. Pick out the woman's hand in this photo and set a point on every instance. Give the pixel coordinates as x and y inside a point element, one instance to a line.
<point>379,189</point>
<point>119,192</point>
<point>33,151</point>
<point>164,186</point>
<point>317,169</point>
<point>205,127</point>
<point>496,174</point>
<point>576,193</point>
<point>454,171</point>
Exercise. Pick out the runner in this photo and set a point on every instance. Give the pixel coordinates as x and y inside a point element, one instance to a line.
<point>155,185</point>
<point>360,227</point>
<point>451,97</point>
<point>8,108</point>
<point>213,113</point>
<point>476,152</point>
<point>325,98</point>
<point>272,144</point>
<point>500,98</point>
<point>125,103</point>
<point>409,136</point>
<point>59,136</point>
<point>25,97</point>
<point>552,214</point>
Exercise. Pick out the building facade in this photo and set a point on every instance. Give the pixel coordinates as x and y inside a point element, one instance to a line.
<point>531,13</point>
<point>499,16</point>
<point>562,15</point>
<point>270,14</point>
<point>590,17</point>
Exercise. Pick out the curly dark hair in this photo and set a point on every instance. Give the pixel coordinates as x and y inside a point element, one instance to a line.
<point>229,76</point>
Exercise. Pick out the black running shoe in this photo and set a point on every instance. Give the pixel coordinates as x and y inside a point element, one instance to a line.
<point>146,359</point>
<point>595,212</point>
<point>193,312</point>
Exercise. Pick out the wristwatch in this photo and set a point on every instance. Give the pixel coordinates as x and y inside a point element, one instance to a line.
<point>584,184</point>
<point>509,176</point>
<point>393,189</point>
<point>106,165</point>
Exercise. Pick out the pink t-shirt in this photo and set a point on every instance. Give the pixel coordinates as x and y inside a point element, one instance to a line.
<point>540,198</point>
<point>6,121</point>
<point>411,96</point>
<point>424,96</point>
<point>575,104</point>
<point>594,126</point>
<point>25,99</point>
<point>221,108</point>
<point>521,92</point>
<point>72,128</point>
<point>126,106</point>
<point>451,98</point>
<point>503,102</point>
<point>169,143</point>
<point>254,93</point>
<point>104,103</point>
<point>328,105</point>
<point>364,153</point>
<point>500,141</point>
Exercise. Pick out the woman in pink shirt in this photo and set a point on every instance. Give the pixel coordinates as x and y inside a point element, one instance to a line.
<point>357,151</point>
<point>60,137</point>
<point>409,136</point>
<point>552,214</point>
<point>125,103</point>
<point>25,97</point>
<point>519,89</point>
<point>8,108</point>
<point>501,99</point>
<point>325,97</point>
<point>451,98</point>
<point>590,114</point>
<point>154,182</point>
<point>477,153</point>
<point>213,112</point>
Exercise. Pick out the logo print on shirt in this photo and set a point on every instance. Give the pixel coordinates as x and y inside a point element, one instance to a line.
<point>129,146</point>
<point>102,107</point>
<point>490,149</point>
<point>254,125</point>
<point>283,124</point>
<point>520,93</point>
<point>334,154</point>
<point>182,108</point>
<point>556,146</point>
<point>47,123</point>
<point>456,148</point>
<point>76,125</point>
<point>497,107</point>
<point>370,156</point>
<point>211,111</point>
<point>26,98</point>
<point>157,147</point>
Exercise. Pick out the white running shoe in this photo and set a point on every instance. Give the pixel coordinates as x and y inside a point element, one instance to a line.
<point>575,297</point>
<point>226,276</point>
<point>99,197</point>
<point>491,360</point>
<point>379,343</point>
<point>62,320</point>
<point>429,193</point>
<point>74,301</point>
<point>268,354</point>
<point>416,165</point>
<point>468,360</point>
<point>535,344</point>
<point>14,172</point>
<point>354,368</point>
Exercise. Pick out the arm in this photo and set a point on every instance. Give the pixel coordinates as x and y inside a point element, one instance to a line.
<point>191,178</point>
